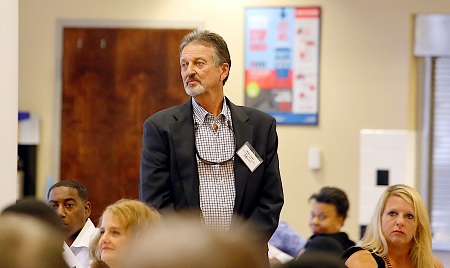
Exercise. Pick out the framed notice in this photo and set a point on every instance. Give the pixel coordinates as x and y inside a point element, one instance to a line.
<point>282,46</point>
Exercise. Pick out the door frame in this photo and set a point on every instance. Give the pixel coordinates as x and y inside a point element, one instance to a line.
<point>57,107</point>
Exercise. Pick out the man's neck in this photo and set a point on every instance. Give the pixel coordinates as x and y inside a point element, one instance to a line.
<point>71,239</point>
<point>212,103</point>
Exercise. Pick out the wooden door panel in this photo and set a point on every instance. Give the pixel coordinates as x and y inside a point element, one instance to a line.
<point>113,79</point>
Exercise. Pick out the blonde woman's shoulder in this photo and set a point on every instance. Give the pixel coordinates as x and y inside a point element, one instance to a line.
<point>361,259</point>
<point>437,262</point>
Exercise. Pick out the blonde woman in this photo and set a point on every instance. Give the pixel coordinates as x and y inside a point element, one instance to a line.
<point>120,223</point>
<point>399,234</point>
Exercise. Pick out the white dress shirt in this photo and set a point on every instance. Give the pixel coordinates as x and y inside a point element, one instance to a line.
<point>80,247</point>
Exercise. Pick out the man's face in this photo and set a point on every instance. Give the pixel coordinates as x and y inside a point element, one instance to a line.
<point>70,207</point>
<point>198,71</point>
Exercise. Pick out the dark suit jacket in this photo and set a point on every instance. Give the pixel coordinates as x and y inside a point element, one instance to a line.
<point>169,176</point>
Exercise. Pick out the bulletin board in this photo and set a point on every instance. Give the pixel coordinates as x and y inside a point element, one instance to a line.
<point>282,46</point>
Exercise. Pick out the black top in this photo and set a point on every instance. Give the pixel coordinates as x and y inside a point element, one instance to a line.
<point>352,250</point>
<point>336,243</point>
<point>316,260</point>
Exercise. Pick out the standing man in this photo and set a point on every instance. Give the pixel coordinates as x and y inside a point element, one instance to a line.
<point>70,201</point>
<point>209,154</point>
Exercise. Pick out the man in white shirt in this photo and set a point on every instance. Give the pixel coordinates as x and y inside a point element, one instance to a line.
<point>70,201</point>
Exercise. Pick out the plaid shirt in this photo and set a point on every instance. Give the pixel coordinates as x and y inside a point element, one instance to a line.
<point>217,187</point>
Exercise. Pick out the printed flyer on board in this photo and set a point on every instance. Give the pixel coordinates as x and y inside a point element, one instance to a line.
<point>282,46</point>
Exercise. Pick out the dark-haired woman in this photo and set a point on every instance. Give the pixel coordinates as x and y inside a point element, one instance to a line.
<point>328,213</point>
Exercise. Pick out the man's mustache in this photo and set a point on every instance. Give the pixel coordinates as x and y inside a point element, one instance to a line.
<point>192,78</point>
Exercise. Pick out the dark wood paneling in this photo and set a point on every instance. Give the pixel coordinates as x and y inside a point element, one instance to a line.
<point>113,79</point>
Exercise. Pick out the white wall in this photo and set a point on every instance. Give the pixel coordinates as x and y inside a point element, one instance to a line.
<point>9,31</point>
<point>367,78</point>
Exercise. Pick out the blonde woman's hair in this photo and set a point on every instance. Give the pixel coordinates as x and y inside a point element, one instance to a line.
<point>373,240</point>
<point>133,215</point>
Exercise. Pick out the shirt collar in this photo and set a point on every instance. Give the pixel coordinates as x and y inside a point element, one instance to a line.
<point>84,237</point>
<point>200,113</point>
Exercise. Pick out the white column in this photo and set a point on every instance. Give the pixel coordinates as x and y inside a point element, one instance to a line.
<point>9,87</point>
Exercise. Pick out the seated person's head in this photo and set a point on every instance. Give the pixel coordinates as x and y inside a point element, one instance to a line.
<point>27,242</point>
<point>399,209</point>
<point>184,242</point>
<point>70,201</point>
<point>37,209</point>
<point>329,210</point>
<point>119,223</point>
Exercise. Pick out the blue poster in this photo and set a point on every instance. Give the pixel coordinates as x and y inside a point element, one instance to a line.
<point>282,62</point>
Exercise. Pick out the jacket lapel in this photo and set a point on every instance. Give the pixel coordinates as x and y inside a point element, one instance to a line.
<point>244,133</point>
<point>184,146</point>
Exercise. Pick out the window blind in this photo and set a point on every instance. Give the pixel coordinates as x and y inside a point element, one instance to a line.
<point>440,164</point>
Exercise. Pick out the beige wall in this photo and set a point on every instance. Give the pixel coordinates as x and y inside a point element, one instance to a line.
<point>367,78</point>
<point>9,31</point>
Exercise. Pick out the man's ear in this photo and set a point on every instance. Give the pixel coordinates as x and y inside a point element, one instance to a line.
<point>225,70</point>
<point>87,209</point>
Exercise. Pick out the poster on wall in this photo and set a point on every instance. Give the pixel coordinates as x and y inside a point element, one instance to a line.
<point>282,46</point>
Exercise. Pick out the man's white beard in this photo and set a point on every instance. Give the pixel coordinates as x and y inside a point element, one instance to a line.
<point>194,90</point>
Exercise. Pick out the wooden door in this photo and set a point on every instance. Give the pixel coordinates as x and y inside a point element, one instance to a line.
<point>113,79</point>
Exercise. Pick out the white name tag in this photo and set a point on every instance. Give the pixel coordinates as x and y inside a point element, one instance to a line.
<point>249,155</point>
